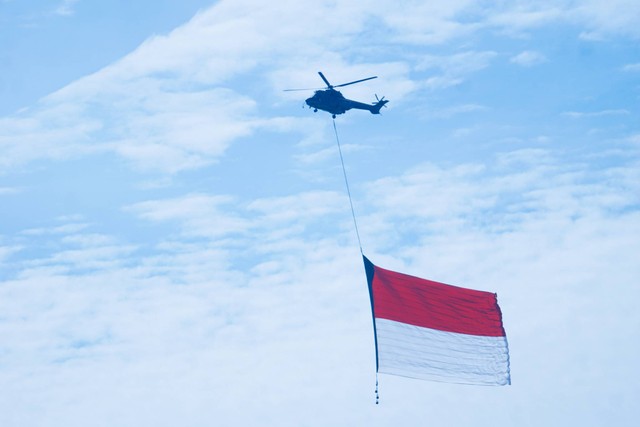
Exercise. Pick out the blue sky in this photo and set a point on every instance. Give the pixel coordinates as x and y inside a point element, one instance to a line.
<point>176,245</point>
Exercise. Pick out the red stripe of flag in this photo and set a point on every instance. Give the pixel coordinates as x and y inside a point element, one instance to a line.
<point>435,305</point>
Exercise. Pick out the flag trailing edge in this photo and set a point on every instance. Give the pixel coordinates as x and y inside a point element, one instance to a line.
<point>434,331</point>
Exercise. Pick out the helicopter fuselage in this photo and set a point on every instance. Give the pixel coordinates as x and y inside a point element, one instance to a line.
<point>329,100</point>
<point>332,101</point>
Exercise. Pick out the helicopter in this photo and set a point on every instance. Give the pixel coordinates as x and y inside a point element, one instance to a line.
<point>332,101</point>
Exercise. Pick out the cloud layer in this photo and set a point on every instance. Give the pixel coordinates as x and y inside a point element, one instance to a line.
<point>174,104</point>
<point>228,285</point>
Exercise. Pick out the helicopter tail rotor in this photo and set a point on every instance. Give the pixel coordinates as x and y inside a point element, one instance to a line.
<point>379,99</point>
<point>381,102</point>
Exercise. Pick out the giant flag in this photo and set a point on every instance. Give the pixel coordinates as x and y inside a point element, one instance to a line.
<point>429,330</point>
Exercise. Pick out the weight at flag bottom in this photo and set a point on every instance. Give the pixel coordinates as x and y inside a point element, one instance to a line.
<point>434,331</point>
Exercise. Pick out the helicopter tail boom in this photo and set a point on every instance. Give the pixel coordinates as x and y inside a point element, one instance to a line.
<point>374,108</point>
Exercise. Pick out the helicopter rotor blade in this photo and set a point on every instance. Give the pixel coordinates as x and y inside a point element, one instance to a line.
<point>357,81</point>
<point>296,90</point>
<point>329,85</point>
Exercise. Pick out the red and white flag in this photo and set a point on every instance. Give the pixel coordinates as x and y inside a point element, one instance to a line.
<point>430,330</point>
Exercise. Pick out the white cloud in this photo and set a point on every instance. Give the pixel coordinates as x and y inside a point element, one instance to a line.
<point>327,153</point>
<point>429,22</point>
<point>71,227</point>
<point>459,63</point>
<point>448,112</point>
<point>220,217</point>
<point>7,251</point>
<point>548,235</point>
<point>455,68</point>
<point>528,58</point>
<point>66,8</point>
<point>94,257</point>
<point>301,207</point>
<point>530,188</point>
<point>170,131</point>
<point>606,19</point>
<point>168,105</point>
<point>52,132</point>
<point>599,19</point>
<point>579,114</point>
<point>199,214</point>
<point>633,68</point>
<point>522,16</point>
<point>8,190</point>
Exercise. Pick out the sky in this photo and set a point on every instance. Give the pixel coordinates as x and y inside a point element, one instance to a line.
<point>176,241</point>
